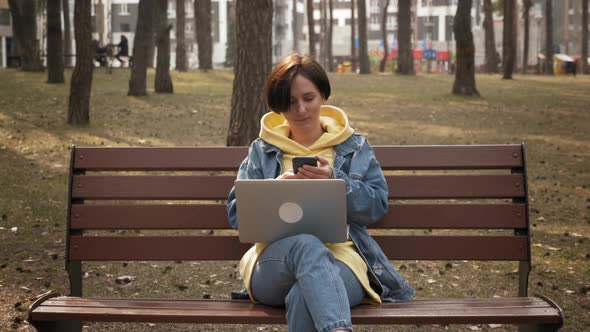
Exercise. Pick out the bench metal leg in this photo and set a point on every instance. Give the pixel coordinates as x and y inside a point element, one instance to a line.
<point>57,326</point>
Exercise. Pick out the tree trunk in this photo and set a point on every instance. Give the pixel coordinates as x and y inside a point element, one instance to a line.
<point>465,73</point>
<point>295,25</point>
<point>143,37</point>
<point>55,56</point>
<point>252,67</point>
<point>81,82</point>
<point>163,81</point>
<point>585,68</point>
<point>311,29</point>
<point>509,39</point>
<point>549,36</point>
<point>181,60</point>
<point>352,36</point>
<point>384,36</point>
<point>323,32</point>
<point>67,34</point>
<point>364,65</point>
<point>203,34</point>
<point>405,58</point>
<point>24,27</point>
<point>329,55</point>
<point>526,5</point>
<point>492,60</point>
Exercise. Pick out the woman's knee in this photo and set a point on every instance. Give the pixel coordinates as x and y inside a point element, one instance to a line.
<point>307,241</point>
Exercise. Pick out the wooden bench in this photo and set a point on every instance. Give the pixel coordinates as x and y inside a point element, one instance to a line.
<point>477,187</point>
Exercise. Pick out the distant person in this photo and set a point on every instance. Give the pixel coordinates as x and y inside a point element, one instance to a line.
<point>100,53</point>
<point>123,50</point>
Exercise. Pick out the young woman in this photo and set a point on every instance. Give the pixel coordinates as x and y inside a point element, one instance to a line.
<point>317,282</point>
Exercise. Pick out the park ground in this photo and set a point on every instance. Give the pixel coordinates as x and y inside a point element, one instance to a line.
<point>550,114</point>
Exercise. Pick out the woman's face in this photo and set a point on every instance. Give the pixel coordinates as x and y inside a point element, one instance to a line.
<point>304,108</point>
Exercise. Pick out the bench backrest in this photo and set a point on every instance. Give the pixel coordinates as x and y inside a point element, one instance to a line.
<point>468,187</point>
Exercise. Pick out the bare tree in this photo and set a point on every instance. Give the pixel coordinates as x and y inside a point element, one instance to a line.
<point>385,4</point>
<point>181,60</point>
<point>492,60</point>
<point>203,34</point>
<point>67,33</point>
<point>329,54</point>
<point>364,62</point>
<point>253,64</point>
<point>509,39</point>
<point>585,69</point>
<point>295,25</point>
<point>549,36</point>
<point>24,28</point>
<point>231,35</point>
<point>465,74</point>
<point>526,8</point>
<point>352,35</point>
<point>163,81</point>
<point>311,29</point>
<point>405,59</point>
<point>144,32</point>
<point>55,56</point>
<point>81,82</point>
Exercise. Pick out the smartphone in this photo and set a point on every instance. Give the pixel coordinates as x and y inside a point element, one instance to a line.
<point>300,161</point>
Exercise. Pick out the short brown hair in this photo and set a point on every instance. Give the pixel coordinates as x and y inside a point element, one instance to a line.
<point>278,85</point>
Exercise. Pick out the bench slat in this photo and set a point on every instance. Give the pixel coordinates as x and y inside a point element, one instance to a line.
<point>229,158</point>
<point>217,187</point>
<point>159,158</point>
<point>532,302</point>
<point>460,311</point>
<point>214,216</point>
<point>152,248</point>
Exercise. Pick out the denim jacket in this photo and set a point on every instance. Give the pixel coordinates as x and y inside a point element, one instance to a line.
<point>366,198</point>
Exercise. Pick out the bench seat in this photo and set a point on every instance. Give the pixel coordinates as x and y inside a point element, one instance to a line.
<point>509,310</point>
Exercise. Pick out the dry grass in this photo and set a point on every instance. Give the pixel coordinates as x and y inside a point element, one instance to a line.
<point>549,114</point>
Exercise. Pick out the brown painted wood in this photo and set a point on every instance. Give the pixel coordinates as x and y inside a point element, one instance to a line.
<point>159,158</point>
<point>441,311</point>
<point>449,157</point>
<point>217,187</point>
<point>214,216</point>
<point>454,216</point>
<point>455,186</point>
<point>420,303</point>
<point>194,216</point>
<point>229,158</point>
<point>152,187</point>
<point>146,248</point>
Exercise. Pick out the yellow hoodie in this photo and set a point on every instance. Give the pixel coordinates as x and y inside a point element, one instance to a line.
<point>275,130</point>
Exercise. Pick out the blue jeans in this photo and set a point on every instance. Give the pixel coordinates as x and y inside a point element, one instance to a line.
<point>299,272</point>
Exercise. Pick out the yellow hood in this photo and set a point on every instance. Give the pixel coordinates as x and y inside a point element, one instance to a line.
<point>274,129</point>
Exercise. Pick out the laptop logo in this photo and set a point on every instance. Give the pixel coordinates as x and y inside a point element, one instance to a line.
<point>290,212</point>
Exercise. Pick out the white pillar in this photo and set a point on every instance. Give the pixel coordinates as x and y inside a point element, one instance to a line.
<point>441,27</point>
<point>222,28</point>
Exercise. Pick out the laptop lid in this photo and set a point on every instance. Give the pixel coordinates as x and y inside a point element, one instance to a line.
<point>269,210</point>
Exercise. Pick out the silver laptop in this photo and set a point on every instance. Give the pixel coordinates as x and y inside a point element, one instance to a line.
<point>269,210</point>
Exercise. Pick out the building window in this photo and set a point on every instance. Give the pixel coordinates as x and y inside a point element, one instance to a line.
<point>125,27</point>
<point>123,9</point>
<point>188,28</point>
<point>391,22</point>
<point>4,17</point>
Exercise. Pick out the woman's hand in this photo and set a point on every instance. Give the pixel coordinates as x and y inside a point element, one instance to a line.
<point>322,171</point>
